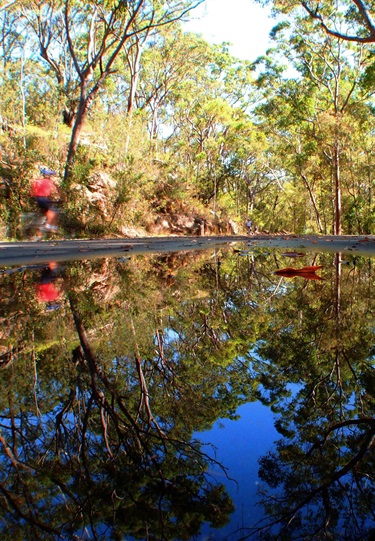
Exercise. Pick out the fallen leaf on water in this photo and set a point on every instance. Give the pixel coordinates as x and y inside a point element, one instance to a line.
<point>311,268</point>
<point>305,272</point>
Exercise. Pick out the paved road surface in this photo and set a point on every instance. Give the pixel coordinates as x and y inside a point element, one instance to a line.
<point>36,253</point>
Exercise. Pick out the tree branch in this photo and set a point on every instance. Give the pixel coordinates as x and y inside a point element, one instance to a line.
<point>365,16</point>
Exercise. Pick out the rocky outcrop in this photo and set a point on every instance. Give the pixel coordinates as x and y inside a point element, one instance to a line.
<point>97,200</point>
<point>99,194</point>
<point>186,224</point>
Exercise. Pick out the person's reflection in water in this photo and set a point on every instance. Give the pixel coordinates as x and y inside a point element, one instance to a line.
<point>49,287</point>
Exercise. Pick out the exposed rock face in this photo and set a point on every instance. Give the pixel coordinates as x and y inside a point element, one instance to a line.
<point>97,197</point>
<point>185,224</point>
<point>4,186</point>
<point>3,230</point>
<point>179,224</point>
<point>132,232</point>
<point>100,194</point>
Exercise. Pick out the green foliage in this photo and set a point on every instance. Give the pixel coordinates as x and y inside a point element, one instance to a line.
<point>183,127</point>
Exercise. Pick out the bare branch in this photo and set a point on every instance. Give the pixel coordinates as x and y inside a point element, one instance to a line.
<point>355,38</point>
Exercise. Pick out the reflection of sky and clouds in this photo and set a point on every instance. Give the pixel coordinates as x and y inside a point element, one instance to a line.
<point>113,399</point>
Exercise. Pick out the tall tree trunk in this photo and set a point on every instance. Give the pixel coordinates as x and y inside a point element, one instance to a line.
<point>337,183</point>
<point>134,63</point>
<point>313,202</point>
<point>23,96</point>
<point>134,66</point>
<point>80,118</point>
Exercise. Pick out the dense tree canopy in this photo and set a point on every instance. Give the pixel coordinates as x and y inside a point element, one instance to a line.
<point>355,17</point>
<point>180,126</point>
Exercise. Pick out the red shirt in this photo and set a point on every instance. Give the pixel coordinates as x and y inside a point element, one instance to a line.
<point>47,292</point>
<point>42,187</point>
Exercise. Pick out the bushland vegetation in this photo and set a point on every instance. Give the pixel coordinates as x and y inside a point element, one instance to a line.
<point>153,129</point>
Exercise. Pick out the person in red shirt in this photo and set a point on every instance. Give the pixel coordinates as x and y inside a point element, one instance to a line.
<point>49,288</point>
<point>44,190</point>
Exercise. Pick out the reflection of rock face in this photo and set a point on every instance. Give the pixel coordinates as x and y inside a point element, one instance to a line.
<point>101,281</point>
<point>7,354</point>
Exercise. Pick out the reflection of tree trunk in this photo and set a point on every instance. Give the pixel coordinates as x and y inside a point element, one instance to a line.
<point>338,345</point>
<point>14,499</point>
<point>121,418</point>
<point>144,400</point>
<point>367,441</point>
<point>338,289</point>
<point>98,375</point>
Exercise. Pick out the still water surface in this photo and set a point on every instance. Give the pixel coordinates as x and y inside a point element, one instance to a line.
<point>189,396</point>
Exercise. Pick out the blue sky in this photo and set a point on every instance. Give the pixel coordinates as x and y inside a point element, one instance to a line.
<point>239,445</point>
<point>242,22</point>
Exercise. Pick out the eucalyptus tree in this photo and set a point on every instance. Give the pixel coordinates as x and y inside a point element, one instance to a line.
<point>10,37</point>
<point>12,71</point>
<point>358,183</point>
<point>172,59</point>
<point>88,38</point>
<point>317,114</point>
<point>202,109</point>
<point>336,68</point>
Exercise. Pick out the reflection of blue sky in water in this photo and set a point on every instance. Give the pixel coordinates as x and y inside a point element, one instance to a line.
<point>239,445</point>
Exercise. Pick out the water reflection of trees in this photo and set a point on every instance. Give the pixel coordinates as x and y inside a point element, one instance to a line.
<point>102,397</point>
<point>317,373</point>
<point>96,432</point>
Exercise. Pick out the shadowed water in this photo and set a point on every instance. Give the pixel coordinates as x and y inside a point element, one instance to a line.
<point>220,394</point>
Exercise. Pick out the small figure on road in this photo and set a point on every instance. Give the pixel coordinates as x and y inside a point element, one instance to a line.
<point>249,225</point>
